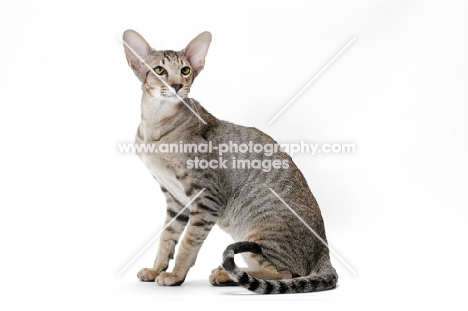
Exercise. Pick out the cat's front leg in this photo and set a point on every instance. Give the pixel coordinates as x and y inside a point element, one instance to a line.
<point>168,239</point>
<point>202,218</point>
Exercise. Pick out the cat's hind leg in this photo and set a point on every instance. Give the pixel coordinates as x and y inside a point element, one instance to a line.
<point>220,277</point>
<point>258,267</point>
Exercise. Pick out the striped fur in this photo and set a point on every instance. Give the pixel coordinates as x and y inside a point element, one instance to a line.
<point>282,254</point>
<point>323,281</point>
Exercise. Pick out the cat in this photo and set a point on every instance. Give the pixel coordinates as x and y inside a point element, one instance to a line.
<point>282,254</point>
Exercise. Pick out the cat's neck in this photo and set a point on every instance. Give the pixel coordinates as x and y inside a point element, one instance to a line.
<point>157,110</point>
<point>158,116</point>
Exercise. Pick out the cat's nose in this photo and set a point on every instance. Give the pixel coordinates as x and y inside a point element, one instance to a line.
<point>176,87</point>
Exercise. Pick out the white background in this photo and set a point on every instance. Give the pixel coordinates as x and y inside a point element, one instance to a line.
<point>74,211</point>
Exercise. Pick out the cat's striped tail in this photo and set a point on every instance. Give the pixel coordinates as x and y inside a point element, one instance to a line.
<point>322,281</point>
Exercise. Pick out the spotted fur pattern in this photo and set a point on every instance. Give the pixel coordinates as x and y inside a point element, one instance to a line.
<point>282,254</point>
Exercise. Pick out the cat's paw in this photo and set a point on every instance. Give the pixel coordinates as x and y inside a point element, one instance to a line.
<point>147,274</point>
<point>169,279</point>
<point>220,277</point>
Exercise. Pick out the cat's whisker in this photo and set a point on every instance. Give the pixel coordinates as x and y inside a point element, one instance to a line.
<point>202,87</point>
<point>195,106</point>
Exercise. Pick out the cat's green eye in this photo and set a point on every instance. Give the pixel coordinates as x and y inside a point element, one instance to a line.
<point>159,70</point>
<point>185,70</point>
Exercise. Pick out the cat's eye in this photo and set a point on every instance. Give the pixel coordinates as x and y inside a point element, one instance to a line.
<point>159,70</point>
<point>185,71</point>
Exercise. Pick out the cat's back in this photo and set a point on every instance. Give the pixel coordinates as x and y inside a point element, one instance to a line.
<point>260,174</point>
<point>257,158</point>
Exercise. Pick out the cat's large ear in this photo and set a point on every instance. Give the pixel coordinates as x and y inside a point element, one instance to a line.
<point>196,51</point>
<point>135,43</point>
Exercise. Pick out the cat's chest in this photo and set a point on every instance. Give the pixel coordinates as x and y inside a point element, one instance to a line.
<point>167,169</point>
<point>166,176</point>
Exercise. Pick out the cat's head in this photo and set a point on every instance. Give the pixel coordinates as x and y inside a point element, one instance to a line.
<point>164,73</point>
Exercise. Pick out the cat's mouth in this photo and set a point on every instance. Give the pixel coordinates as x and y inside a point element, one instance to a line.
<point>176,90</point>
<point>173,94</point>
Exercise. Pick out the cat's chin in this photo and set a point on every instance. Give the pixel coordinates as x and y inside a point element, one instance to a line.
<point>172,95</point>
<point>171,99</point>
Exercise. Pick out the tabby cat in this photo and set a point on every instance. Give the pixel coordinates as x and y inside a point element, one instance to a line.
<point>282,254</point>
